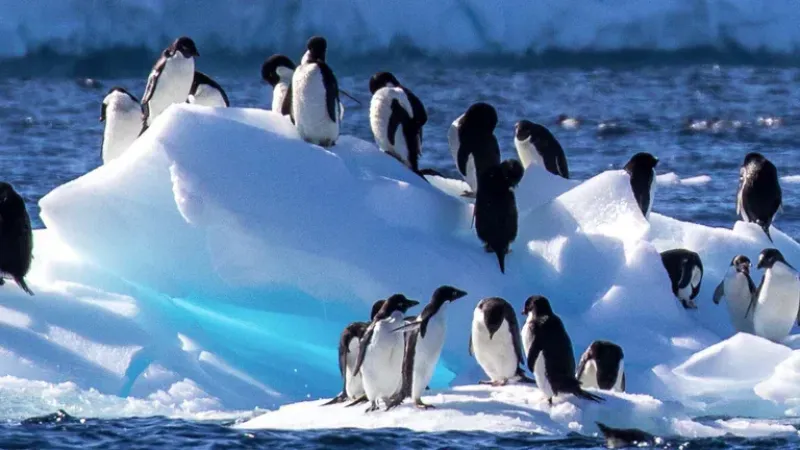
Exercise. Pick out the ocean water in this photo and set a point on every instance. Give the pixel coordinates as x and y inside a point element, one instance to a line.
<point>50,134</point>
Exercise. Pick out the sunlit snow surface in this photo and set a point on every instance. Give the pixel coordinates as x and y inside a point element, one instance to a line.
<point>212,267</point>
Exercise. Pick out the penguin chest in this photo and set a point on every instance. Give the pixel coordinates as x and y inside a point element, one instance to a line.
<point>122,128</point>
<point>494,354</point>
<point>686,292</point>
<point>382,367</point>
<point>540,372</point>
<point>427,353</point>
<point>737,296</point>
<point>527,334</point>
<point>652,194</point>
<point>471,177</point>
<point>173,85</point>
<point>391,139</point>
<point>528,154</point>
<point>353,384</point>
<point>278,94</point>
<point>310,108</point>
<point>778,303</point>
<point>208,96</point>
<point>589,376</point>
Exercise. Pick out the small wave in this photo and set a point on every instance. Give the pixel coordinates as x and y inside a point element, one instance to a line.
<point>672,179</point>
<point>792,179</point>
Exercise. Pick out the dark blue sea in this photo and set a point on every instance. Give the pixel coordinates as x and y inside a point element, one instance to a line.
<point>50,134</point>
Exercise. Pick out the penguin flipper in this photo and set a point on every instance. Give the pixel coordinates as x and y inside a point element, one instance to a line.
<point>587,355</point>
<point>152,80</point>
<point>719,292</point>
<point>580,393</point>
<point>471,351</point>
<point>765,227</point>
<point>362,349</point>
<point>338,399</point>
<point>513,328</point>
<point>331,90</point>
<point>623,382</point>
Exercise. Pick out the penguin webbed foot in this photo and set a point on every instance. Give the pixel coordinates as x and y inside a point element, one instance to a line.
<point>689,304</point>
<point>372,407</point>
<point>419,404</point>
<point>468,194</point>
<point>524,379</point>
<point>486,382</point>
<point>338,399</point>
<point>488,248</point>
<point>357,401</point>
<point>394,401</point>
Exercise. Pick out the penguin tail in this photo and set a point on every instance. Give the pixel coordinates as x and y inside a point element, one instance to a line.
<point>21,282</point>
<point>338,399</point>
<point>411,326</point>
<point>766,231</point>
<point>580,393</point>
<point>501,257</point>
<point>429,172</point>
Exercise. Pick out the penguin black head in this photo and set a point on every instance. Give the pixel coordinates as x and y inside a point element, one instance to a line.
<point>105,100</point>
<point>317,46</point>
<point>382,80</point>
<point>480,116</point>
<point>525,129</point>
<point>754,158</point>
<point>513,171</point>
<point>9,197</point>
<point>447,294</point>
<point>186,46</point>
<point>539,305</point>
<point>605,350</point>
<point>742,264</point>
<point>768,258</point>
<point>269,70</point>
<point>641,161</point>
<point>376,307</point>
<point>397,302</point>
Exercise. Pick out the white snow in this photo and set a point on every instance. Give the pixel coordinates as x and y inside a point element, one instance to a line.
<point>213,267</point>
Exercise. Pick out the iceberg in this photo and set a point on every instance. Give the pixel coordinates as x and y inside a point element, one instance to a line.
<point>210,269</point>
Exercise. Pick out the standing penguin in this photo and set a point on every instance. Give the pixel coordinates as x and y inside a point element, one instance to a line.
<point>738,288</point>
<point>473,144</point>
<point>396,117</point>
<point>315,97</point>
<point>207,92</point>
<point>777,299</point>
<point>536,145</point>
<point>496,208</point>
<point>424,345</point>
<point>550,357</point>
<point>602,367</point>
<point>380,355</point>
<point>642,170</point>
<point>16,237</point>
<point>278,70</point>
<point>759,196</point>
<point>122,115</point>
<point>171,78</point>
<point>495,342</point>
<point>685,271</point>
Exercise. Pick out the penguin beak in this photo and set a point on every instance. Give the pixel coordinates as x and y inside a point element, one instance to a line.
<point>410,303</point>
<point>459,294</point>
<point>761,263</point>
<point>745,269</point>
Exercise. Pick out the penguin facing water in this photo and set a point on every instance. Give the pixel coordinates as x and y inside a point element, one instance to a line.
<point>171,78</point>
<point>278,70</point>
<point>550,356</point>
<point>777,299</point>
<point>602,366</point>
<point>396,117</point>
<point>207,92</point>
<point>315,97</point>
<point>738,289</point>
<point>496,213</point>
<point>16,237</point>
<point>496,343</point>
<point>536,145</point>
<point>760,195</point>
<point>424,345</point>
<point>473,144</point>
<point>642,170</point>
<point>685,271</point>
<point>122,115</point>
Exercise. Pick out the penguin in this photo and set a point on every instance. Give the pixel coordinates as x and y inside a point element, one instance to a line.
<point>685,270</point>
<point>536,145</point>
<point>642,170</point>
<point>776,302</point>
<point>759,196</point>
<point>16,237</point>
<point>349,343</point>
<point>207,92</point>
<point>495,210</point>
<point>626,437</point>
<point>396,117</point>
<point>122,115</point>
<point>602,367</point>
<point>738,288</point>
<point>278,70</point>
<point>424,345</point>
<point>550,356</point>
<point>171,78</point>
<point>380,354</point>
<point>495,342</point>
<point>315,97</point>
<point>473,144</point>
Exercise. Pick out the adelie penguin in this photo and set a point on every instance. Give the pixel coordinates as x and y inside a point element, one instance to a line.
<point>496,208</point>
<point>602,366</point>
<point>550,356</point>
<point>207,92</point>
<point>315,97</point>
<point>424,345</point>
<point>685,270</point>
<point>473,144</point>
<point>759,196</point>
<point>122,115</point>
<point>496,343</point>
<point>380,355</point>
<point>642,170</point>
<point>738,289</point>
<point>278,70</point>
<point>396,117</point>
<point>776,303</point>
<point>16,237</point>
<point>536,145</point>
<point>171,78</point>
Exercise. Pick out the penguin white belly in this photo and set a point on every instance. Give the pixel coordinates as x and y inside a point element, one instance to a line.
<point>353,384</point>
<point>173,85</point>
<point>540,373</point>
<point>496,355</point>
<point>472,176</point>
<point>620,376</point>
<point>737,296</point>
<point>380,113</point>
<point>778,303</point>
<point>653,186</point>
<point>381,371</point>
<point>685,293</point>
<point>527,153</point>
<point>278,94</point>
<point>527,335</point>
<point>207,96</point>
<point>589,375</point>
<point>740,205</point>
<point>122,128</point>
<point>427,353</point>
<point>309,107</point>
